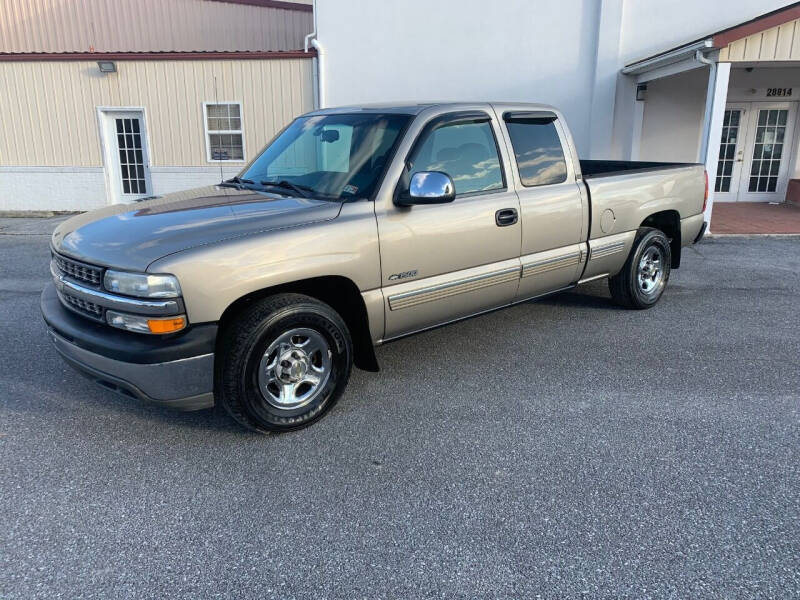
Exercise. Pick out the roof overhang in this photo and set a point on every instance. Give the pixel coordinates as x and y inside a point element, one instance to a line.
<point>767,21</point>
<point>670,62</point>
<point>193,55</point>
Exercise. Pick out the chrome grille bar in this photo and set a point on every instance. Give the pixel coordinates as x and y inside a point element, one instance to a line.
<point>80,271</point>
<point>104,300</point>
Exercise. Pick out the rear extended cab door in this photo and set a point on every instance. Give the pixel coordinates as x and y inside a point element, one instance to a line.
<point>554,206</point>
<point>443,262</point>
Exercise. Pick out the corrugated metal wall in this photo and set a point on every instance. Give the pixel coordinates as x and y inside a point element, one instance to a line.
<point>48,110</point>
<point>776,43</point>
<point>148,26</point>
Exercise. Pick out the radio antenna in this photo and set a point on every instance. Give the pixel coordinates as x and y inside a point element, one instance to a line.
<point>216,101</point>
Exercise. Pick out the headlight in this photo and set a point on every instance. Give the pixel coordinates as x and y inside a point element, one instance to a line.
<point>142,285</point>
<point>142,324</point>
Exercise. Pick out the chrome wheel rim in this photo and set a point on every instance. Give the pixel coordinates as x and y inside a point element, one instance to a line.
<point>650,273</point>
<point>294,369</point>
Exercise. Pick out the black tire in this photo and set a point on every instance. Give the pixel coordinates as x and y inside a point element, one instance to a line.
<point>626,287</point>
<point>244,345</point>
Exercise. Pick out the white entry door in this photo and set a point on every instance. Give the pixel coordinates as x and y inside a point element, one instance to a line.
<point>754,154</point>
<point>127,159</point>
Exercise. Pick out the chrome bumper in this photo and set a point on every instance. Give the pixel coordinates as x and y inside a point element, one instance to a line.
<point>186,384</point>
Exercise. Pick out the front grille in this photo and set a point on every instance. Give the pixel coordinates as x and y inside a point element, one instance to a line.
<point>78,270</point>
<point>90,309</point>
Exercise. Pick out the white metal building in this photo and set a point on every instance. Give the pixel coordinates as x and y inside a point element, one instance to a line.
<point>208,83</point>
<point>107,102</point>
<point>636,79</point>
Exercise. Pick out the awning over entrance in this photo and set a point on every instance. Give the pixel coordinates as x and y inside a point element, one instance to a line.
<point>745,141</point>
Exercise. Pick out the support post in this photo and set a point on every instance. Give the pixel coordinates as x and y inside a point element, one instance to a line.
<point>716,99</point>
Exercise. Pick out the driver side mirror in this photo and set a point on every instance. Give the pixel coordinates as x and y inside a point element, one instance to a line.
<point>428,187</point>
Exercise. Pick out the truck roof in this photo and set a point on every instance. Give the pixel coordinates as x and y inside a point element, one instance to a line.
<point>415,109</point>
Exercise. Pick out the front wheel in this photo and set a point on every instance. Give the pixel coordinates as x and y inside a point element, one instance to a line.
<point>644,276</point>
<point>286,361</point>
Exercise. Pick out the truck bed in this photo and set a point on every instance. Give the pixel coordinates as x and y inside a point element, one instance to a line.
<point>600,168</point>
<point>628,192</point>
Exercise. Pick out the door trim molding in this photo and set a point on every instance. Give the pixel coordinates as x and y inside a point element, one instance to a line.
<point>568,259</point>
<point>601,251</point>
<point>452,288</point>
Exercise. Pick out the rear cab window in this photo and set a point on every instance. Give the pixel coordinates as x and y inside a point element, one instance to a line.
<point>537,148</point>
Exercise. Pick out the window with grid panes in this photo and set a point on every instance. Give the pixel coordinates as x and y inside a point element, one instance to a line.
<point>727,149</point>
<point>131,157</point>
<point>768,150</point>
<point>224,138</point>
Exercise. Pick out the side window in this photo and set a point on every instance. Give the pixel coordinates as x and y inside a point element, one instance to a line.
<point>538,150</point>
<point>465,151</point>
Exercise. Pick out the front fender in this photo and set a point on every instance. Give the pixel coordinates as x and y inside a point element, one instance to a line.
<point>213,277</point>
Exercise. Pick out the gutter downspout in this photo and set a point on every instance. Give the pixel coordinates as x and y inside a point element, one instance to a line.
<point>311,39</point>
<point>712,82</point>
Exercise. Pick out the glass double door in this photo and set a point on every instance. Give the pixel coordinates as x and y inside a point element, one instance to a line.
<point>755,152</point>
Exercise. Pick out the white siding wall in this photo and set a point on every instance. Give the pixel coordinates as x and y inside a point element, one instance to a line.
<point>563,52</point>
<point>50,108</point>
<point>417,50</point>
<point>50,151</point>
<point>650,27</point>
<point>673,117</point>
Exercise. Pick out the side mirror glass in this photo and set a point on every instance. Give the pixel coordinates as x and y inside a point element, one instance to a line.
<point>428,187</point>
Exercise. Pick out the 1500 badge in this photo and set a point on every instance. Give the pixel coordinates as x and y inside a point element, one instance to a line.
<point>403,275</point>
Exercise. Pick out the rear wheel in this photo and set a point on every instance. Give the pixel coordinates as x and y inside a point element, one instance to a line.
<point>286,361</point>
<point>644,276</point>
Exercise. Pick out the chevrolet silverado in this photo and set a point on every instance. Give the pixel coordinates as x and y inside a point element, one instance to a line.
<point>353,227</point>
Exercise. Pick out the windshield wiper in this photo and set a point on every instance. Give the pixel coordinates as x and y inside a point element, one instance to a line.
<point>304,190</point>
<point>236,182</point>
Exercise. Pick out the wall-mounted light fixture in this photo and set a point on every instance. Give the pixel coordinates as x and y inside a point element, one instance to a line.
<point>107,66</point>
<point>641,92</point>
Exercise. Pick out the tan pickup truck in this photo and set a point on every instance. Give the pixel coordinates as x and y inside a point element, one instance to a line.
<point>354,227</point>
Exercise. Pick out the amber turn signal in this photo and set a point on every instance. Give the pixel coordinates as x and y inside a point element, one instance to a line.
<point>166,325</point>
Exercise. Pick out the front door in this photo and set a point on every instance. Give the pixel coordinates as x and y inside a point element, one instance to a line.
<point>127,160</point>
<point>442,262</point>
<point>731,152</point>
<point>754,157</point>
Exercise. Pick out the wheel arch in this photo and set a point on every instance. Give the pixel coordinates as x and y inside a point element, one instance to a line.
<point>338,292</point>
<point>669,223</point>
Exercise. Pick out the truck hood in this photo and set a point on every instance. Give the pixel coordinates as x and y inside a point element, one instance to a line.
<point>131,236</point>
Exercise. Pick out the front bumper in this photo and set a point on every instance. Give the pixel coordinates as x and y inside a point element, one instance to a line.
<point>175,370</point>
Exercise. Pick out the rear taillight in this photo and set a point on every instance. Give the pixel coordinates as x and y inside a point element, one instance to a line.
<point>705,194</point>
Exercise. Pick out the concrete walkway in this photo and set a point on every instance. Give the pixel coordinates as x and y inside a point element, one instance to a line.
<point>30,225</point>
<point>755,218</point>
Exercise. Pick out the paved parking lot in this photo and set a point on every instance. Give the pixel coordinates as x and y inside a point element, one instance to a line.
<point>562,448</point>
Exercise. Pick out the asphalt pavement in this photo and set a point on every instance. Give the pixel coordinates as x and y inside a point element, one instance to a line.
<point>560,448</point>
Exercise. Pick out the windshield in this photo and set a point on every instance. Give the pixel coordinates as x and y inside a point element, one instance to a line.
<point>336,157</point>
